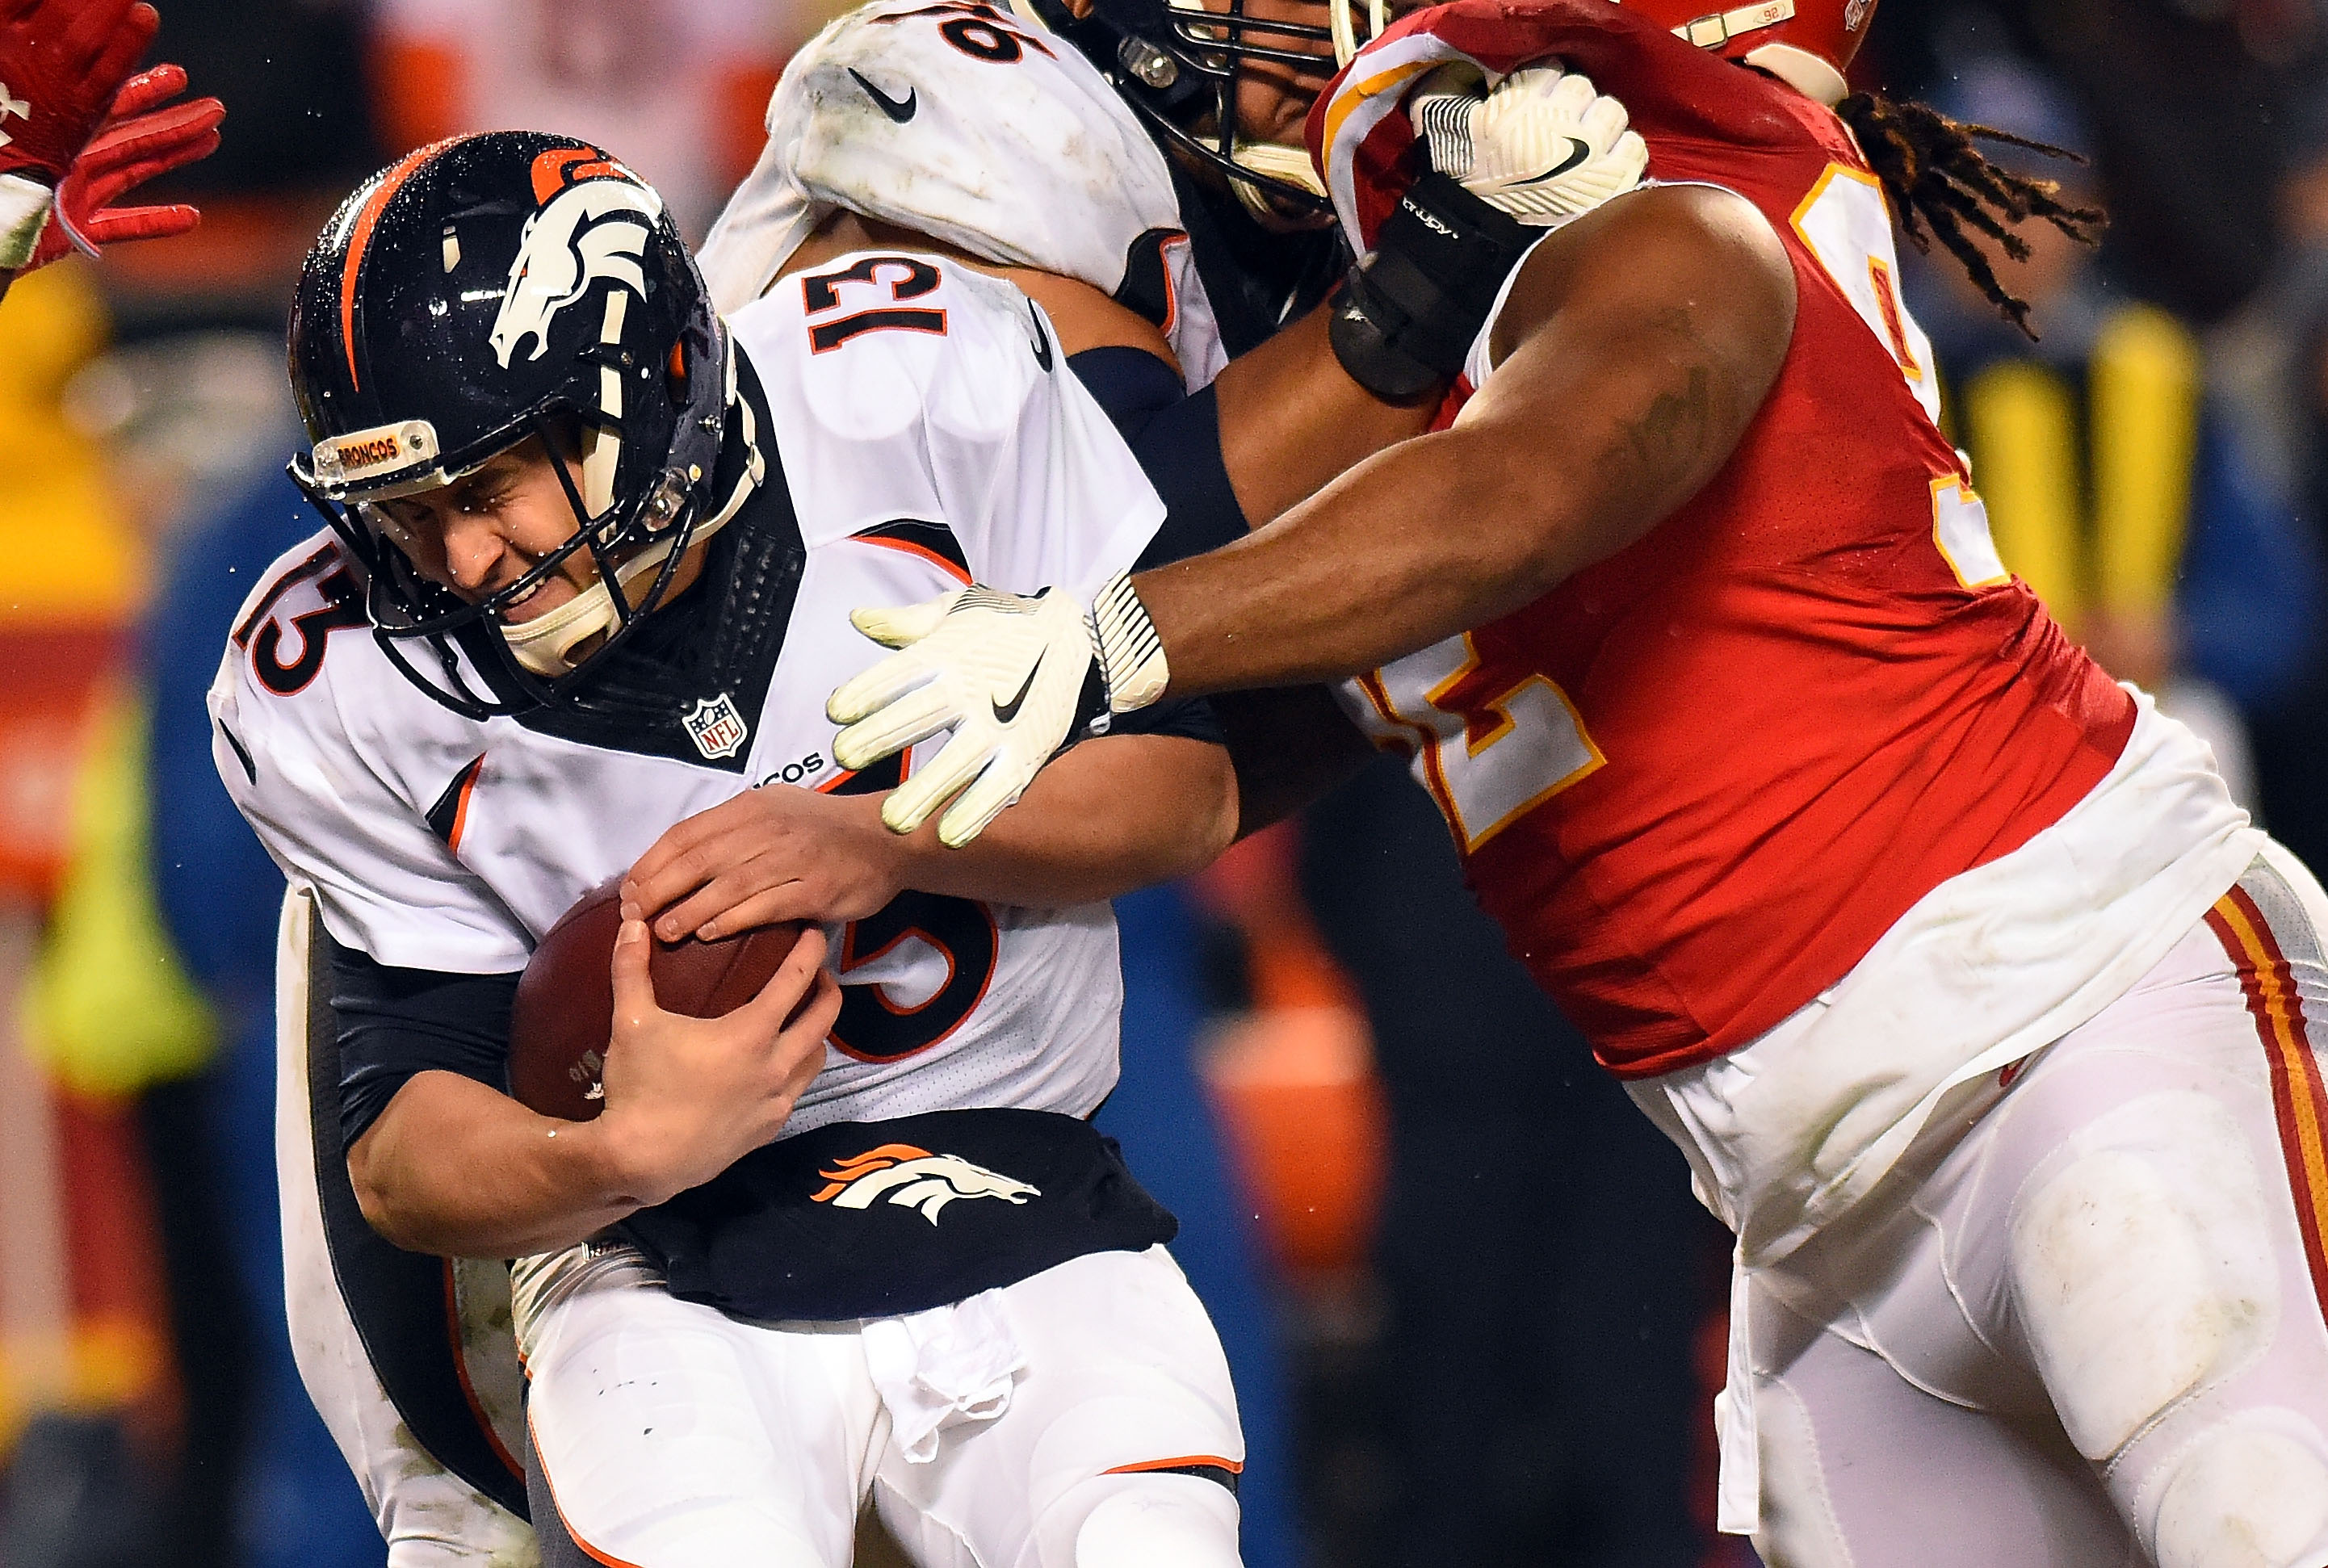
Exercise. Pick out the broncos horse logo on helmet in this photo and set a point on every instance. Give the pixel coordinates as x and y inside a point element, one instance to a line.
<point>409,339</point>
<point>594,223</point>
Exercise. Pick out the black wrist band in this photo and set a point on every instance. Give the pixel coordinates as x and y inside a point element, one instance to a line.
<point>1408,313</point>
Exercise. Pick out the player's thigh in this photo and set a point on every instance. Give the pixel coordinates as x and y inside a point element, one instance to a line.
<point>1120,1448</point>
<point>668,1436</point>
<point>1862,1469</point>
<point>2161,1197</point>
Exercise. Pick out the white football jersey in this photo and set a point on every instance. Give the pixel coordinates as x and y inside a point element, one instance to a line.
<point>973,124</point>
<point>923,430</point>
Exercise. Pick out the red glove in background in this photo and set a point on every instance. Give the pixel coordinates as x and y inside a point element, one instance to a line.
<point>140,142</point>
<point>62,63</point>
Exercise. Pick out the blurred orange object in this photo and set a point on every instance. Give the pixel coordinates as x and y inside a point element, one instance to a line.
<point>1293,1081</point>
<point>1296,1093</point>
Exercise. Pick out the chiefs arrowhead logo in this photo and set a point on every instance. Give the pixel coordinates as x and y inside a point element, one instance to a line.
<point>916,1178</point>
<point>593,223</point>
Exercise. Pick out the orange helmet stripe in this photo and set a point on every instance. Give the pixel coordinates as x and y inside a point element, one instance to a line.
<point>360,236</point>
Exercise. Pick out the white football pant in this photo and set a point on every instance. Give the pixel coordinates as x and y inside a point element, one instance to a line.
<point>2091,1332</point>
<point>669,1435</point>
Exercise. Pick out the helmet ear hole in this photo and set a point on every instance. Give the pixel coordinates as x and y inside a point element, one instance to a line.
<point>674,372</point>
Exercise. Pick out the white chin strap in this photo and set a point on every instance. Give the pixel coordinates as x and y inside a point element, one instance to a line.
<point>1804,71</point>
<point>546,644</point>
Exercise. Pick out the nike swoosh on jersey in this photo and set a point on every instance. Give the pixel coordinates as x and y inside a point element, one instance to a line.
<point>1004,712</point>
<point>1579,150</point>
<point>899,109</point>
<point>1042,338</point>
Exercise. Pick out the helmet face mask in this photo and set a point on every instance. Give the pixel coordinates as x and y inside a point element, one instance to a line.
<point>1179,64</point>
<point>482,293</point>
<point>525,663</point>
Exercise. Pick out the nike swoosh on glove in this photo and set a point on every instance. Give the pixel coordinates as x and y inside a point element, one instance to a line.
<point>1544,145</point>
<point>140,142</point>
<point>1017,679</point>
<point>62,63</point>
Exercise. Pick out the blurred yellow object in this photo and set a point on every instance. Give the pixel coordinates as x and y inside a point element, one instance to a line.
<point>104,1363</point>
<point>67,552</point>
<point>2087,476</point>
<point>2143,384</point>
<point>108,1010</point>
<point>2021,423</point>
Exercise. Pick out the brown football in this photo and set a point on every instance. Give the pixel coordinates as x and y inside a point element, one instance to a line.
<point>564,1013</point>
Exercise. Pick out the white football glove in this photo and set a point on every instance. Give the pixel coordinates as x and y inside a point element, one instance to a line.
<point>1017,679</point>
<point>1544,146</point>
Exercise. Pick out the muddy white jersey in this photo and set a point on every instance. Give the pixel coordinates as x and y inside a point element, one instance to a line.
<point>971,123</point>
<point>920,430</point>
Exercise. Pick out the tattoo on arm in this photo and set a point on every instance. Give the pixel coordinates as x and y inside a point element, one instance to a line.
<point>1673,432</point>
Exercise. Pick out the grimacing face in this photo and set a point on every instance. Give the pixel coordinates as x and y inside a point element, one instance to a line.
<point>487,529</point>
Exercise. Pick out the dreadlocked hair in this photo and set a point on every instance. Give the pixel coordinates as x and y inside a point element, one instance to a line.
<point>1941,184</point>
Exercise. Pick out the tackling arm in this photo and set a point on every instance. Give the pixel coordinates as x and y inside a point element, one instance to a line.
<point>1636,348</point>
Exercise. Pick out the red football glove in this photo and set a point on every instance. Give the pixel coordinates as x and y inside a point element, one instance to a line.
<point>61,61</point>
<point>140,142</point>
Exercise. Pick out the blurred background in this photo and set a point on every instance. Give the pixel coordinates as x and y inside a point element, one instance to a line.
<point>1475,1315</point>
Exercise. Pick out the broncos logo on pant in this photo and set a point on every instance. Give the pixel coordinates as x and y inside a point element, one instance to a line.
<point>916,1178</point>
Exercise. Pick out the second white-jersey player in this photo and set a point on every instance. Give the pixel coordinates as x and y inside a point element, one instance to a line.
<point>1022,1375</point>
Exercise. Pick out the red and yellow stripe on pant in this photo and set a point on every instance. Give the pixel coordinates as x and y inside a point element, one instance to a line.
<point>2299,1101</point>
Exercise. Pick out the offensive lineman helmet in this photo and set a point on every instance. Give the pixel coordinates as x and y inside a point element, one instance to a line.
<point>478,293</point>
<point>1177,63</point>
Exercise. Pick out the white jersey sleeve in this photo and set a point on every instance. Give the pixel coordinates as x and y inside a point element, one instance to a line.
<point>973,124</point>
<point>328,799</point>
<point>906,387</point>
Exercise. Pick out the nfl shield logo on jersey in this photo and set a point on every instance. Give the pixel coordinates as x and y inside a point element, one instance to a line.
<point>716,727</point>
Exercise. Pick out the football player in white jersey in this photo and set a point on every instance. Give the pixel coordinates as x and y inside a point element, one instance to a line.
<point>605,550</point>
<point>1137,167</point>
<point>955,129</point>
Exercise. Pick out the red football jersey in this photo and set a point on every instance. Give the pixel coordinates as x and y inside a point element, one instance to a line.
<point>1696,781</point>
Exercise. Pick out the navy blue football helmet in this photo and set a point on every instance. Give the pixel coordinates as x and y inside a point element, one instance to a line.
<point>478,293</point>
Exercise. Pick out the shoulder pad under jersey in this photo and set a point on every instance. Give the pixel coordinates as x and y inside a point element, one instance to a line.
<point>971,123</point>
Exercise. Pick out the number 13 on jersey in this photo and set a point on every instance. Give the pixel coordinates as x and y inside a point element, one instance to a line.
<point>1487,757</point>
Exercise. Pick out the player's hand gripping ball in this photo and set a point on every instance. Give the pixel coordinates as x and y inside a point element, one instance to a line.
<point>564,1013</point>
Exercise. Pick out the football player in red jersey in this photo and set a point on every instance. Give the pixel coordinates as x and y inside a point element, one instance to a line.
<point>1982,1014</point>
<point>78,132</point>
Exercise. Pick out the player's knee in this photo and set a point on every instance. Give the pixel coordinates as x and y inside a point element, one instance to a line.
<point>2143,1268</point>
<point>2251,1493</point>
<point>1144,1521</point>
